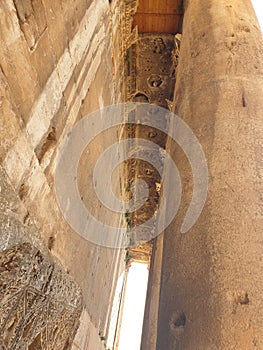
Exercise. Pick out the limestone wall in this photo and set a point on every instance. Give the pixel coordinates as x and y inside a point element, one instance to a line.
<point>55,68</point>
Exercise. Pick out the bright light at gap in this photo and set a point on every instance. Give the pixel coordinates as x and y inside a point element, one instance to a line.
<point>258,7</point>
<point>134,305</point>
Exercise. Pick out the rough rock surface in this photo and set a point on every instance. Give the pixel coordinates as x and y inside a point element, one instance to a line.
<point>211,285</point>
<point>40,304</point>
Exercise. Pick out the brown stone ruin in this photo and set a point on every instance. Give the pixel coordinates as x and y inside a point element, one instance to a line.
<point>61,61</point>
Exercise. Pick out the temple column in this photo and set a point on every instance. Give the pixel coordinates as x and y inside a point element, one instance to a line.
<point>212,281</point>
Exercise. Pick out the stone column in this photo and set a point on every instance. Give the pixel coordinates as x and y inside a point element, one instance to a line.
<point>212,281</point>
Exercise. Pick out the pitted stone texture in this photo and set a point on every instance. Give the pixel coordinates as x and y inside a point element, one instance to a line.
<point>122,37</point>
<point>150,78</point>
<point>40,304</point>
<point>150,68</point>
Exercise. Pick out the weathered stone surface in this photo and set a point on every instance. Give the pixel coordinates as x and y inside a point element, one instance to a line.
<point>150,69</point>
<point>211,287</point>
<point>40,304</point>
<point>150,77</point>
<point>54,57</point>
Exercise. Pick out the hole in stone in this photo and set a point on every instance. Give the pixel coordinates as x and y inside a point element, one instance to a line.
<point>244,103</point>
<point>244,299</point>
<point>152,134</point>
<point>148,69</point>
<point>47,145</point>
<point>180,320</point>
<point>240,298</point>
<point>140,97</point>
<point>51,242</point>
<point>155,81</point>
<point>22,191</point>
<point>159,46</point>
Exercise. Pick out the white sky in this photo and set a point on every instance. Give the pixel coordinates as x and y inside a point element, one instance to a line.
<point>134,304</point>
<point>258,6</point>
